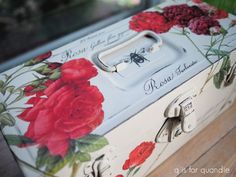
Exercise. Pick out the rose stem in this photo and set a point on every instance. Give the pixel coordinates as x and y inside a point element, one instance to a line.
<point>7,97</point>
<point>75,169</point>
<point>197,48</point>
<point>209,77</point>
<point>9,77</point>
<point>10,80</point>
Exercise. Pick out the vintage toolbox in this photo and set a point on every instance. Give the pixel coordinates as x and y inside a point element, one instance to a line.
<point>120,101</point>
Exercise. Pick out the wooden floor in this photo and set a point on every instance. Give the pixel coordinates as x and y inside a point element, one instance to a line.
<point>210,153</point>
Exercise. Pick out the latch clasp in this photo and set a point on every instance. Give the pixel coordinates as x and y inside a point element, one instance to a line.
<point>180,116</point>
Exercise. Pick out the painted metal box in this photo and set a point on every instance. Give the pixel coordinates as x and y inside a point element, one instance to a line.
<point>120,101</point>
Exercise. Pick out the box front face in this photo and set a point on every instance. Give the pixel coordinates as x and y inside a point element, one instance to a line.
<point>120,101</point>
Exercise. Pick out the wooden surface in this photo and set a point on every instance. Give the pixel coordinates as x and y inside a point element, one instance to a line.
<point>220,156</point>
<point>209,153</point>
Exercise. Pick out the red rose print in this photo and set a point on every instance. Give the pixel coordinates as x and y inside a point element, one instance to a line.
<point>182,14</point>
<point>139,155</point>
<point>219,14</point>
<point>202,25</point>
<point>43,56</point>
<point>213,12</point>
<point>150,21</point>
<point>197,1</point>
<point>119,176</point>
<point>28,90</point>
<point>70,108</point>
<point>77,70</point>
<point>54,65</point>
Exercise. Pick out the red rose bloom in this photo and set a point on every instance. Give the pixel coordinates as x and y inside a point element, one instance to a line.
<point>219,14</point>
<point>182,14</point>
<point>212,11</point>
<point>119,176</point>
<point>139,155</point>
<point>69,109</point>
<point>153,21</point>
<point>28,90</point>
<point>43,56</point>
<point>202,25</point>
<point>197,1</point>
<point>77,70</point>
<point>54,65</point>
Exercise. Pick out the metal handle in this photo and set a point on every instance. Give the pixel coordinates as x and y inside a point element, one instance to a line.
<point>122,65</point>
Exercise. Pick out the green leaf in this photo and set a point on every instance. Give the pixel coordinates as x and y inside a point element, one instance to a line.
<point>226,65</point>
<point>45,159</point>
<point>7,119</point>
<point>136,171</point>
<point>3,90</point>
<point>218,79</point>
<point>1,84</point>
<point>35,83</point>
<point>2,107</point>
<point>17,140</point>
<point>56,74</point>
<point>38,88</point>
<point>20,96</point>
<point>83,156</point>
<point>130,170</point>
<point>91,143</point>
<point>41,157</point>
<point>43,69</point>
<point>38,81</point>
<point>52,164</point>
<point>71,155</point>
<point>10,89</point>
<point>59,164</point>
<point>223,31</point>
<point>52,161</point>
<point>29,63</point>
<point>40,68</point>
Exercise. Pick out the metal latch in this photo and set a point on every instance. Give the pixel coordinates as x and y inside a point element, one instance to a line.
<point>180,116</point>
<point>101,166</point>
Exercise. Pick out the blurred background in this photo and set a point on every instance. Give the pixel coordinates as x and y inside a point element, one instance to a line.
<point>31,27</point>
<point>28,24</point>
